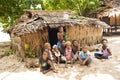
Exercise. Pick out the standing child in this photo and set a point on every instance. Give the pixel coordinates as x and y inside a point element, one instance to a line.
<point>46,64</point>
<point>56,53</point>
<point>105,52</point>
<point>84,56</point>
<point>68,53</point>
<point>60,36</point>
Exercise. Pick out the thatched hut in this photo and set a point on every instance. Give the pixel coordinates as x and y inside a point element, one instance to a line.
<point>111,16</point>
<point>34,28</point>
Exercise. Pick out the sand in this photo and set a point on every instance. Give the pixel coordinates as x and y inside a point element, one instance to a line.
<point>12,69</point>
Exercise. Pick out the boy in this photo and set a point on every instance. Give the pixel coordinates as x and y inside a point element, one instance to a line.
<point>46,64</point>
<point>60,36</point>
<point>84,56</point>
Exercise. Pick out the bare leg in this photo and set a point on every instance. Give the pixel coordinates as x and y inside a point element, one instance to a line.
<point>66,64</point>
<point>88,62</point>
<point>52,66</point>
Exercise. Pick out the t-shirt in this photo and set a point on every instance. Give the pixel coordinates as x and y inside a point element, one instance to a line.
<point>105,51</point>
<point>44,64</point>
<point>68,53</point>
<point>84,54</point>
<point>74,49</point>
<point>62,50</point>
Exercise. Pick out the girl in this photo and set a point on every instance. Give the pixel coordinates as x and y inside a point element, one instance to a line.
<point>105,52</point>
<point>47,48</point>
<point>68,53</point>
<point>46,64</point>
<point>56,53</point>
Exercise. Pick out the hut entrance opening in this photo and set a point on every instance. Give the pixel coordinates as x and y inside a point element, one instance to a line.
<point>52,32</point>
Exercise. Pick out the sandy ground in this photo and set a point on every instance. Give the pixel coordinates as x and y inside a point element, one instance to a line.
<point>12,69</point>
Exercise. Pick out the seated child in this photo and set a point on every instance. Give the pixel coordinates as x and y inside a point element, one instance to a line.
<point>75,48</point>
<point>84,56</point>
<point>56,53</point>
<point>46,64</point>
<point>47,48</point>
<point>105,52</point>
<point>68,53</point>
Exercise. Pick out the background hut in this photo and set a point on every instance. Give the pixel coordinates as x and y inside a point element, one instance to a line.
<point>34,28</point>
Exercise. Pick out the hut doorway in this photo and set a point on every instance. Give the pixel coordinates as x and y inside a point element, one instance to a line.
<point>52,33</point>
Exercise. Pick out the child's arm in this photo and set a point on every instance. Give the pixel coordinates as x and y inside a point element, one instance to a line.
<point>109,51</point>
<point>86,59</point>
<point>80,58</point>
<point>41,68</point>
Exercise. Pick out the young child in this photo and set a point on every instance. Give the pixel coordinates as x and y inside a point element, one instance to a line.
<point>56,53</point>
<point>84,56</point>
<point>60,36</point>
<point>62,51</point>
<point>105,52</point>
<point>68,53</point>
<point>75,48</point>
<point>46,64</point>
<point>47,48</point>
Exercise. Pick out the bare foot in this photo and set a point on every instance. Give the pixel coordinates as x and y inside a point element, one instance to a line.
<point>55,71</point>
<point>102,60</point>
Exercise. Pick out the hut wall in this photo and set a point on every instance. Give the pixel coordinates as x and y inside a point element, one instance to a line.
<point>35,40</point>
<point>85,34</point>
<point>115,20</point>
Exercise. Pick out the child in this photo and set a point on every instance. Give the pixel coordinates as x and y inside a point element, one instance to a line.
<point>60,36</point>
<point>62,51</point>
<point>68,53</point>
<point>47,48</point>
<point>46,64</point>
<point>84,56</point>
<point>75,48</point>
<point>105,52</point>
<point>56,53</point>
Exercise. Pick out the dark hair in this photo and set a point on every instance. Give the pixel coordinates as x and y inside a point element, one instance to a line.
<point>104,40</point>
<point>59,28</point>
<point>74,41</point>
<point>63,40</point>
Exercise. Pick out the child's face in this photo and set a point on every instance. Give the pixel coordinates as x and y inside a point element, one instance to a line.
<point>75,43</point>
<point>61,29</point>
<point>49,47</point>
<point>63,43</point>
<point>105,43</point>
<point>56,48</point>
<point>85,49</point>
<point>45,55</point>
<point>68,46</point>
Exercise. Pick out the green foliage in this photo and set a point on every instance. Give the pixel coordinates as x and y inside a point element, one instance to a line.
<point>28,52</point>
<point>10,10</point>
<point>9,52</point>
<point>79,6</point>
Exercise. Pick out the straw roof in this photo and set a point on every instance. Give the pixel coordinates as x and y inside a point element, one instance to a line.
<point>110,12</point>
<point>33,20</point>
